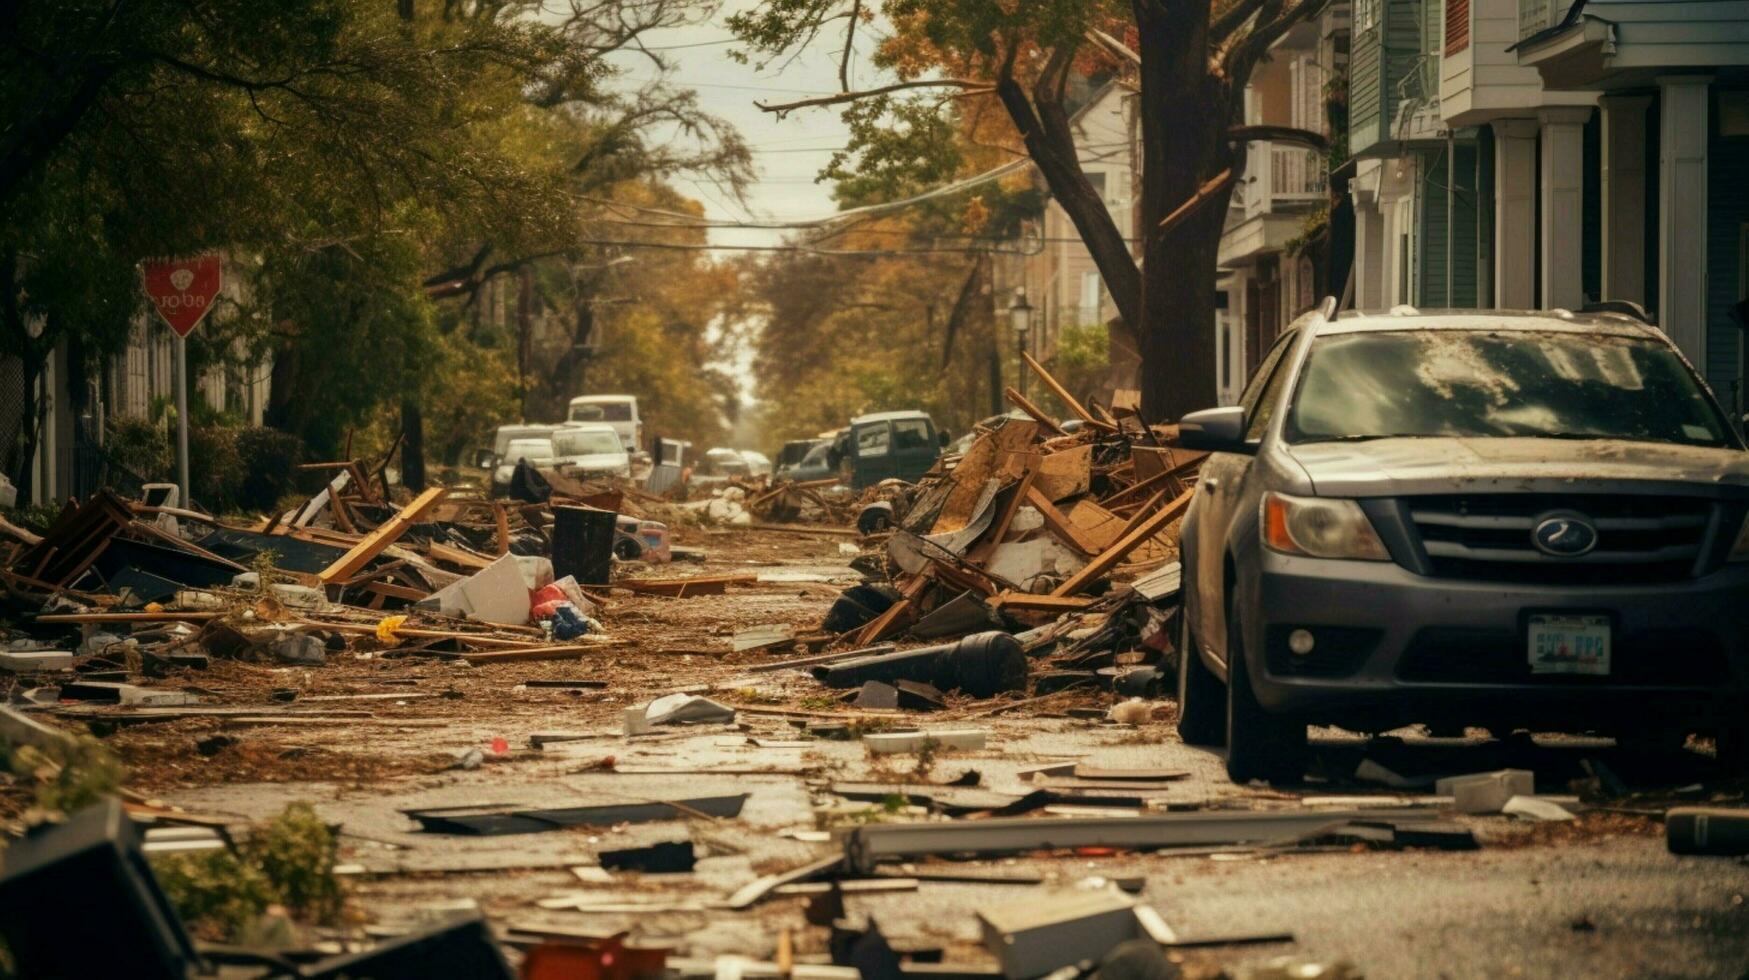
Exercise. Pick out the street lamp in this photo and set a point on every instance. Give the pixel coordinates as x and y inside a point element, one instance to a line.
<point>1020,317</point>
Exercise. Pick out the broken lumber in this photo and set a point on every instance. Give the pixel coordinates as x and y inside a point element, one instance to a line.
<point>1020,401</point>
<point>373,544</point>
<point>1110,557</point>
<point>1062,393</point>
<point>681,587</point>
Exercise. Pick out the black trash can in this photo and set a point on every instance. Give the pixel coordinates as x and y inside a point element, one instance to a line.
<point>583,543</point>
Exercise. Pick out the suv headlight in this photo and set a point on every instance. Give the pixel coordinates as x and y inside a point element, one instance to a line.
<point>1318,527</point>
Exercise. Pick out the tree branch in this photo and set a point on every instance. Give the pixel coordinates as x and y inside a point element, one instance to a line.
<point>839,98</point>
<point>849,46</point>
<point>1273,21</point>
<point>1233,18</point>
<point>1280,134</point>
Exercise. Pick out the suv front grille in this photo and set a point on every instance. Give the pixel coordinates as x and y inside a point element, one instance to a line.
<point>1640,538</point>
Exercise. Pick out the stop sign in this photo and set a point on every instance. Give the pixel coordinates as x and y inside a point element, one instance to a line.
<point>182,290</point>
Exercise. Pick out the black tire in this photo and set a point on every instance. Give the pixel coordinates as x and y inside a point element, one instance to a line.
<point>1201,701</point>
<point>1260,745</point>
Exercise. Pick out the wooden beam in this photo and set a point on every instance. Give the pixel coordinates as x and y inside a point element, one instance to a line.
<point>1059,524</point>
<point>1038,415</point>
<point>681,587</point>
<point>1029,464</point>
<point>348,565</point>
<point>1110,557</point>
<point>888,623</point>
<point>1063,395</point>
<point>1041,603</point>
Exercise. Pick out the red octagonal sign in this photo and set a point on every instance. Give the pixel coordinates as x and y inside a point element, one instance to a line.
<point>182,290</point>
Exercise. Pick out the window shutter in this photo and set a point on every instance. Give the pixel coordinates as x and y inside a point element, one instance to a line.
<point>1457,25</point>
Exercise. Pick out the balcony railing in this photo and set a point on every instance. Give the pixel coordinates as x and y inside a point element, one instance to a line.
<point>1538,15</point>
<point>1282,173</point>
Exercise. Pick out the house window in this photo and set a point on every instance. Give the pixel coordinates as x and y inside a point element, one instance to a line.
<point>1366,15</point>
<point>1090,298</point>
<point>1457,26</point>
<point>1097,179</point>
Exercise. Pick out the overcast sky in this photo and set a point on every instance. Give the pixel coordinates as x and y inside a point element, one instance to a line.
<point>787,153</point>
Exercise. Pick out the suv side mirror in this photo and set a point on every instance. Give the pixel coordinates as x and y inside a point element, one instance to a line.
<point>1216,430</point>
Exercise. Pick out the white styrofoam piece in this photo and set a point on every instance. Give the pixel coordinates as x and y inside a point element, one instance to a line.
<point>889,743</point>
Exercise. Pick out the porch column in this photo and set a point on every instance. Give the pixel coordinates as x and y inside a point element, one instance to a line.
<point>1624,196</point>
<point>1562,212</point>
<point>1515,213</point>
<point>1682,213</point>
<point>1369,242</point>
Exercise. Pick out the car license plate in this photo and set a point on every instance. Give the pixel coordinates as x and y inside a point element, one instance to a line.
<point>1569,645</point>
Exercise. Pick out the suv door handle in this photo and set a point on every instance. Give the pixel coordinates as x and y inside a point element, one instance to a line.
<point>1212,482</point>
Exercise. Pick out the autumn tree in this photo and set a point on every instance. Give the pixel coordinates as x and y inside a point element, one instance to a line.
<point>1190,60</point>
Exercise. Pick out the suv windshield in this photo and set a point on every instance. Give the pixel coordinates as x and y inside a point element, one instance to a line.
<point>602,412</point>
<point>585,443</point>
<point>1500,383</point>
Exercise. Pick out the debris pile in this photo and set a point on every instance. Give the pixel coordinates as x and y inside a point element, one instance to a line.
<point>1029,523</point>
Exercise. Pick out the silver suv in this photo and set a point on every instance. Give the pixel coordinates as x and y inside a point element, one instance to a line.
<point>1507,520</point>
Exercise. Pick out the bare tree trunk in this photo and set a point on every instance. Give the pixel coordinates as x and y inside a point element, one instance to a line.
<point>1184,143</point>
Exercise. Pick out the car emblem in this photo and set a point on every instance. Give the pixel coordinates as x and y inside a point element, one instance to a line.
<point>1564,535</point>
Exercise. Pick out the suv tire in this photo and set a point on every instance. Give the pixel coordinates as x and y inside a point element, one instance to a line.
<point>1201,701</point>
<point>1260,745</point>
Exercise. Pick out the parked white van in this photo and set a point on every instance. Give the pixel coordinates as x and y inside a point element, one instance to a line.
<point>619,411</point>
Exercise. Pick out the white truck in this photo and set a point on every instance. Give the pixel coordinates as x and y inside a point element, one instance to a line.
<point>619,411</point>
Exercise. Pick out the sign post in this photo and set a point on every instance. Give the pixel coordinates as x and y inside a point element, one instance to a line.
<point>182,291</point>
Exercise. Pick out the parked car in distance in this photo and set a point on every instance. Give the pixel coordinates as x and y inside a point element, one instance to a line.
<point>892,445</point>
<point>718,465</point>
<point>1505,520</point>
<point>591,449</point>
<point>793,452</point>
<point>501,438</point>
<point>821,463</point>
<point>758,464</point>
<point>619,411</point>
<point>537,451</point>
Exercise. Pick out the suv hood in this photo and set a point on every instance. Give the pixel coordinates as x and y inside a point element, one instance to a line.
<point>1388,467</point>
<point>595,461</point>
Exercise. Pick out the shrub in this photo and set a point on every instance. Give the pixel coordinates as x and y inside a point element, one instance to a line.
<point>242,467</point>
<point>287,861</point>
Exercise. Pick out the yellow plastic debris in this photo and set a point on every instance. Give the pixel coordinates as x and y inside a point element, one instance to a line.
<point>387,627</point>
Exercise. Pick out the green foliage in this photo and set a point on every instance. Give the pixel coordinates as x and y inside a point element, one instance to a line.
<point>287,861</point>
<point>142,446</point>
<point>215,892</point>
<point>64,777</point>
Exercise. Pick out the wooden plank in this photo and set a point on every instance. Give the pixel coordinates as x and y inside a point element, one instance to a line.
<point>131,617</point>
<point>680,587</point>
<point>1142,513</point>
<point>1110,557</point>
<point>1029,465</point>
<point>373,544</point>
<point>1063,395</point>
<point>1041,603</point>
<point>525,654</point>
<point>889,622</point>
<point>1020,401</point>
<point>1058,523</point>
<point>501,518</point>
<point>456,556</point>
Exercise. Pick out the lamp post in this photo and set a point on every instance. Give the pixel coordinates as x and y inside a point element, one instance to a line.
<point>1020,317</point>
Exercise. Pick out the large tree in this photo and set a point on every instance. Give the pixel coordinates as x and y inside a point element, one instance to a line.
<point>1190,61</point>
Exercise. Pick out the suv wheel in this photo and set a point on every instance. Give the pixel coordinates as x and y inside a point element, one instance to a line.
<point>1201,720</point>
<point>1260,745</point>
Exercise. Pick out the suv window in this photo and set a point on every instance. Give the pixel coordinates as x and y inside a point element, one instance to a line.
<point>911,434</point>
<point>1264,391</point>
<point>1248,399</point>
<point>872,440</point>
<point>1501,383</point>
